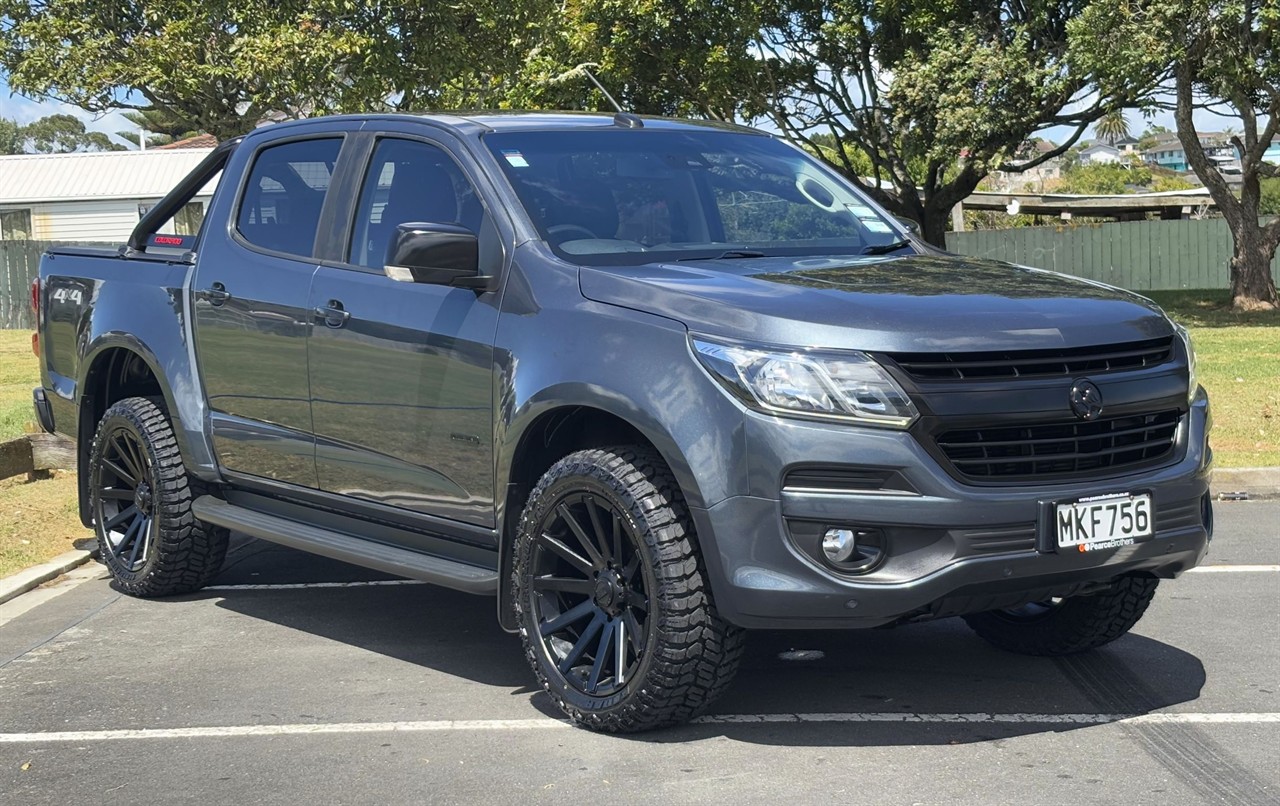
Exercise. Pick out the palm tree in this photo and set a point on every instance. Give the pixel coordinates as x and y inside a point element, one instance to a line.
<point>1112,127</point>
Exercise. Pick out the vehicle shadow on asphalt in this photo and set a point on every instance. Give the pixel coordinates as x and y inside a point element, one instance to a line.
<point>938,668</point>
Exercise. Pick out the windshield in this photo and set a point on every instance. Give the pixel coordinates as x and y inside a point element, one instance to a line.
<point>626,196</point>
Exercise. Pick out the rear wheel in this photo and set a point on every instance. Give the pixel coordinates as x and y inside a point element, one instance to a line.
<point>611,595</point>
<point>1068,626</point>
<point>141,501</point>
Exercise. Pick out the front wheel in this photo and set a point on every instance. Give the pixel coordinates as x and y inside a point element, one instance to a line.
<point>141,502</point>
<point>611,595</point>
<point>1068,626</point>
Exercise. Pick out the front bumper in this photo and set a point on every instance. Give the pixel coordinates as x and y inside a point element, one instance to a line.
<point>950,548</point>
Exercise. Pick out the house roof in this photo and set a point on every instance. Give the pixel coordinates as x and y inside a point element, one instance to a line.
<point>1099,147</point>
<point>199,141</point>
<point>80,176</point>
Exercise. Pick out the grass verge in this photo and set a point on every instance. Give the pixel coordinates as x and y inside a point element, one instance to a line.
<point>38,520</point>
<point>1239,364</point>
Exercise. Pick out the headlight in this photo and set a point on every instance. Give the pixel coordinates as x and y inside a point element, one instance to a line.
<point>1192,382</point>
<point>844,386</point>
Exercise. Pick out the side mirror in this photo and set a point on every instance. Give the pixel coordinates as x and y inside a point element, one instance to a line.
<point>442,254</point>
<point>910,224</point>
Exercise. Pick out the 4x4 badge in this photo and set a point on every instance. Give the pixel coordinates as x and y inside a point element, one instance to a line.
<point>1086,399</point>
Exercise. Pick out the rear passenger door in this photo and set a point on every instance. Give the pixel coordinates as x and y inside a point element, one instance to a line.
<point>251,308</point>
<point>401,373</point>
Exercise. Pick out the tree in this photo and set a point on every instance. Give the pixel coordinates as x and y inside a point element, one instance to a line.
<point>54,134</point>
<point>221,66</point>
<point>1104,178</point>
<point>59,134</point>
<point>1224,53</point>
<point>162,127</point>
<point>935,95</point>
<point>1269,203</point>
<point>1111,127</point>
<point>664,57</point>
<point>10,137</point>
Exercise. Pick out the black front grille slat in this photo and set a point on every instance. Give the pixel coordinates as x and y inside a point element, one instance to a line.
<point>1014,441</point>
<point>1061,448</point>
<point>1035,363</point>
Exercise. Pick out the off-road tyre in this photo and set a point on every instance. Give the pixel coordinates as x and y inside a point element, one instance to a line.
<point>689,654</point>
<point>175,553</point>
<point>1071,625</point>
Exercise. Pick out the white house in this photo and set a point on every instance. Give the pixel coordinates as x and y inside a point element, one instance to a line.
<point>1098,153</point>
<point>93,196</point>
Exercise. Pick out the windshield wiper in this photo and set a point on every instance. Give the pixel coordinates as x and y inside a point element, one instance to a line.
<point>731,254</point>
<point>886,248</point>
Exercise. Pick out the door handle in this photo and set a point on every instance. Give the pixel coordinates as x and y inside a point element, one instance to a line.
<point>334,315</point>
<point>217,294</point>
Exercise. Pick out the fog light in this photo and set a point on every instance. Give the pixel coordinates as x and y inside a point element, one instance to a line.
<point>839,544</point>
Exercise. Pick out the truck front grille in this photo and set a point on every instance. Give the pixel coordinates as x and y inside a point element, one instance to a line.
<point>1061,449</point>
<point>929,367</point>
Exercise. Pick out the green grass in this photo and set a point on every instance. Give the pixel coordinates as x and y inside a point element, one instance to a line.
<point>19,374</point>
<point>1239,364</point>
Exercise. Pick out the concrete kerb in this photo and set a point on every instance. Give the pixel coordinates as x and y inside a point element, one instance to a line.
<point>1257,483</point>
<point>17,584</point>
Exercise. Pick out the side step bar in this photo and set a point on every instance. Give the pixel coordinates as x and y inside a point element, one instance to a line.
<point>339,546</point>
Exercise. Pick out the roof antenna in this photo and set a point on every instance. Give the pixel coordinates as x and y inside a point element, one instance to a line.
<point>617,106</point>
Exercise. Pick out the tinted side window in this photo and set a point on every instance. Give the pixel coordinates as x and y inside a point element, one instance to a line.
<point>409,181</point>
<point>280,209</point>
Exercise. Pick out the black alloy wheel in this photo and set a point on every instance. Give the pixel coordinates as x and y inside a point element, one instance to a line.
<point>140,499</point>
<point>590,598</point>
<point>612,597</point>
<point>126,487</point>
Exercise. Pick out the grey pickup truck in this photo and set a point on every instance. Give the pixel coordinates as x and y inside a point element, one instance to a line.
<point>647,383</point>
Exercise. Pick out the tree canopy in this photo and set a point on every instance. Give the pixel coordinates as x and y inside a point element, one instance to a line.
<point>1219,54</point>
<point>53,134</point>
<point>220,66</point>
<point>935,95</point>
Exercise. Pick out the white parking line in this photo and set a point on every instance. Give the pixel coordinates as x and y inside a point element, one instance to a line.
<point>1235,569</point>
<point>230,731</point>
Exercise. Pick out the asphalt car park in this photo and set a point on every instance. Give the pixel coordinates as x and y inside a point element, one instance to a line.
<point>297,679</point>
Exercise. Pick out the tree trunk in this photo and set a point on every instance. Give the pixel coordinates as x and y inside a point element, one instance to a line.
<point>1252,286</point>
<point>934,226</point>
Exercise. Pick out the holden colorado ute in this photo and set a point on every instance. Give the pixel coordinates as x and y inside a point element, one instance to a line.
<point>647,383</point>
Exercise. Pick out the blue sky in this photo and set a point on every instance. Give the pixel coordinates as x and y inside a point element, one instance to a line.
<point>25,110</point>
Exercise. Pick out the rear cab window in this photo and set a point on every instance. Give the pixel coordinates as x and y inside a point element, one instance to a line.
<point>279,210</point>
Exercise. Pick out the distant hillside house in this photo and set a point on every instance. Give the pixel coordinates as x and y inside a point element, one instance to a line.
<point>94,196</point>
<point>1099,153</point>
<point>1169,153</point>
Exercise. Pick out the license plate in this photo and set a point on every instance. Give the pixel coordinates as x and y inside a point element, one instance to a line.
<point>1103,522</point>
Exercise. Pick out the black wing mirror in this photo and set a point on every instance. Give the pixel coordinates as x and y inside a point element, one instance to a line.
<point>442,254</point>
<point>909,224</point>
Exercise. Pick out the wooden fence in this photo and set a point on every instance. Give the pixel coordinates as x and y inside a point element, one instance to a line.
<point>1138,255</point>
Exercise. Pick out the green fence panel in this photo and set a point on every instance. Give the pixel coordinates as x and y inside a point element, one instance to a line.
<point>1140,255</point>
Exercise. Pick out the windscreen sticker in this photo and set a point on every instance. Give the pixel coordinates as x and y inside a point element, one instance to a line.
<point>514,158</point>
<point>868,218</point>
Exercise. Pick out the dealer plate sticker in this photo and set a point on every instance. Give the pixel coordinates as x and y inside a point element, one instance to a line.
<point>1103,522</point>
